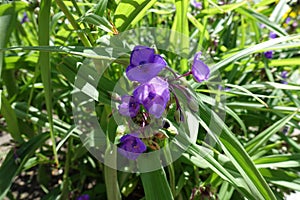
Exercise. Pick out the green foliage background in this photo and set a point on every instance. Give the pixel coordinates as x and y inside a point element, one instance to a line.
<point>257,155</point>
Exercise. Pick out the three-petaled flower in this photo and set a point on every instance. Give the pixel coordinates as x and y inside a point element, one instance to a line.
<point>200,70</point>
<point>154,95</point>
<point>144,64</point>
<point>131,146</point>
<point>268,54</point>
<point>129,106</point>
<point>272,35</point>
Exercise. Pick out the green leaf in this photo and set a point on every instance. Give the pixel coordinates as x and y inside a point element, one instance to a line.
<point>237,154</point>
<point>156,186</point>
<point>248,92</point>
<point>100,7</point>
<point>10,167</point>
<point>280,10</point>
<point>257,142</point>
<point>262,19</point>
<point>44,64</point>
<point>0,98</point>
<point>111,175</point>
<point>203,158</point>
<point>8,17</point>
<point>280,161</point>
<point>222,9</point>
<point>181,25</point>
<point>228,110</point>
<point>129,12</point>
<point>248,51</point>
<point>11,119</point>
<point>99,21</point>
<point>226,191</point>
<point>282,178</point>
<point>197,24</point>
<point>285,62</point>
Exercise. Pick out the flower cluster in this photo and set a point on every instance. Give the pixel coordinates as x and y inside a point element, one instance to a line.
<point>152,94</point>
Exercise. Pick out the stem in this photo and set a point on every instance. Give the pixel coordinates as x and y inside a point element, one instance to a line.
<point>183,75</point>
<point>110,175</point>
<point>171,171</point>
<point>65,189</point>
<point>73,22</point>
<point>176,99</point>
<point>172,71</point>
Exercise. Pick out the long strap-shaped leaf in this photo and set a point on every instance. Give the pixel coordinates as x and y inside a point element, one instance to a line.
<point>246,52</point>
<point>156,186</point>
<point>239,157</point>
<point>180,25</point>
<point>155,183</point>
<point>44,64</point>
<point>200,155</point>
<point>11,119</point>
<point>128,13</point>
<point>264,136</point>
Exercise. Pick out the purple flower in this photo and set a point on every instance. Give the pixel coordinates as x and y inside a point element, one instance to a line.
<point>284,77</point>
<point>287,20</point>
<point>272,35</point>
<point>196,4</point>
<point>129,106</point>
<point>154,95</point>
<point>144,64</point>
<point>25,18</point>
<point>200,70</point>
<point>284,74</point>
<point>84,197</point>
<point>268,54</point>
<point>131,146</point>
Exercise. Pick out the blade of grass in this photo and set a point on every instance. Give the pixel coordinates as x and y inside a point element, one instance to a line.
<point>73,22</point>
<point>237,154</point>
<point>200,156</point>
<point>8,16</point>
<point>253,145</point>
<point>248,51</point>
<point>111,176</point>
<point>229,111</point>
<point>128,13</point>
<point>199,26</point>
<point>80,51</point>
<point>222,9</point>
<point>248,92</point>
<point>11,120</point>
<point>278,161</point>
<point>283,178</point>
<point>262,19</point>
<point>180,25</point>
<point>156,186</point>
<point>45,67</point>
